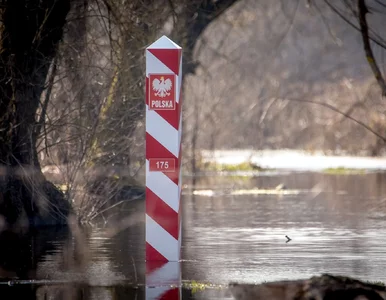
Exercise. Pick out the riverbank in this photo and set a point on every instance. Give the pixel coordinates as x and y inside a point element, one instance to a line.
<point>292,160</point>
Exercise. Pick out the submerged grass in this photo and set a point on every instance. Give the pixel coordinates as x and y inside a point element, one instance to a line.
<point>218,167</point>
<point>344,171</point>
<point>380,283</point>
<point>196,286</point>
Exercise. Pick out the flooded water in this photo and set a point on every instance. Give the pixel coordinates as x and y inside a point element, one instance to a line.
<point>336,223</point>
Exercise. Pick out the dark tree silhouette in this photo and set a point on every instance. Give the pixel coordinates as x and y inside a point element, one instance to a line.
<point>30,32</point>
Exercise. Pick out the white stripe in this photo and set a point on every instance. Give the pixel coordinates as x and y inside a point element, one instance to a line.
<point>168,274</point>
<point>154,65</point>
<point>162,131</point>
<point>161,240</point>
<point>163,187</point>
<point>164,43</point>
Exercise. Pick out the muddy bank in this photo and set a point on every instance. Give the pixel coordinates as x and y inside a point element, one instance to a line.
<point>325,287</point>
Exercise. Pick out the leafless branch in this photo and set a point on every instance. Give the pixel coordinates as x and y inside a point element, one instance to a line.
<point>352,24</point>
<point>47,97</point>
<point>337,110</point>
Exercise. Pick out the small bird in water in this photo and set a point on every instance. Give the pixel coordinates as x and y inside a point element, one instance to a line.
<point>288,239</point>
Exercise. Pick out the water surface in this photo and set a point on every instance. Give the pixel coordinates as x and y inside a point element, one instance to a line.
<point>336,223</point>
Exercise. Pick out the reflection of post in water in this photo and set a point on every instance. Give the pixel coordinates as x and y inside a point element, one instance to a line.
<point>163,280</point>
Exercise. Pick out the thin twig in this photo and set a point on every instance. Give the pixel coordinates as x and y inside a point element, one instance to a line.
<point>135,270</point>
<point>43,113</point>
<point>333,108</point>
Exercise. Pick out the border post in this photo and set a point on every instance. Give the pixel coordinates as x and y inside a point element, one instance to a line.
<point>163,168</point>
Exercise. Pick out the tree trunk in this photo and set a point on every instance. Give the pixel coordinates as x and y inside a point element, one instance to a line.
<point>196,18</point>
<point>30,32</point>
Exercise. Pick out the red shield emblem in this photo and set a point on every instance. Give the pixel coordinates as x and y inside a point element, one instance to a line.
<point>162,95</point>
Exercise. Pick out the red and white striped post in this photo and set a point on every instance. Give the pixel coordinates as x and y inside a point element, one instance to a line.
<point>163,168</point>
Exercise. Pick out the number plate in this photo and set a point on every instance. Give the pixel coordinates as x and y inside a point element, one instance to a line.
<point>162,165</point>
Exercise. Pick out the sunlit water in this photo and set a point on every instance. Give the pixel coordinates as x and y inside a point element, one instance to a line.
<point>336,223</point>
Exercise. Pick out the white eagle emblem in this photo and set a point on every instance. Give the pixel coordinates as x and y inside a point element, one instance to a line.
<point>162,87</point>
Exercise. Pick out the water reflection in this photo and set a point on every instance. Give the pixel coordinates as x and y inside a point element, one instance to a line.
<point>81,292</point>
<point>22,251</point>
<point>336,225</point>
<point>71,292</point>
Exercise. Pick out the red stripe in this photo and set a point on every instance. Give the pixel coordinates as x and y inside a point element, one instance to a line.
<point>169,57</point>
<point>153,255</point>
<point>171,116</point>
<point>173,294</point>
<point>155,149</point>
<point>162,213</point>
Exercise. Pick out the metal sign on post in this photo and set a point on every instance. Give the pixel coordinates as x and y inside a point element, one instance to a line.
<point>163,166</point>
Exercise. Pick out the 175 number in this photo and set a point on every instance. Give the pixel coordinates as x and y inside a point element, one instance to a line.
<point>162,165</point>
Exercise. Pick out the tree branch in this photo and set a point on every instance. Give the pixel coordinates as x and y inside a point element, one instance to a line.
<point>362,11</point>
<point>333,108</point>
<point>344,18</point>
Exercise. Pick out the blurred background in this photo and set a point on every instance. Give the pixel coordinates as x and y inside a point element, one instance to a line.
<point>257,75</point>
